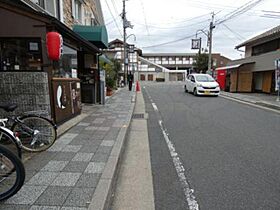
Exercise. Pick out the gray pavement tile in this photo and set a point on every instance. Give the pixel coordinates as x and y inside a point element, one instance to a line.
<point>88,180</point>
<point>66,179</point>
<point>64,156</point>
<point>81,156</point>
<point>14,207</point>
<point>100,157</point>
<point>104,149</point>
<point>89,148</point>
<point>75,166</point>
<point>83,124</point>
<point>56,147</point>
<point>55,165</point>
<point>54,195</point>
<point>95,167</point>
<point>36,207</point>
<point>88,132</point>
<point>27,195</point>
<point>107,143</point>
<point>73,208</point>
<point>91,128</point>
<point>71,148</point>
<point>80,197</point>
<point>69,135</point>
<point>29,174</point>
<point>76,129</point>
<point>42,178</point>
<point>104,128</point>
<point>41,160</point>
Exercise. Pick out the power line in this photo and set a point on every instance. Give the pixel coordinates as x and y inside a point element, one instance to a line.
<point>239,11</point>
<point>145,19</point>
<point>237,35</point>
<point>113,17</point>
<point>174,41</point>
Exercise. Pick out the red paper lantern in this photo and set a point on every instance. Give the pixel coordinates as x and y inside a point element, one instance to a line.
<point>54,45</point>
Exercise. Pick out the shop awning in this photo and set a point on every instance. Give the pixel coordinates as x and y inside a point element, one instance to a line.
<point>233,66</point>
<point>95,34</point>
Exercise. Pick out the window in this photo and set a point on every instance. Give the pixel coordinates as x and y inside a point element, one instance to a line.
<point>266,47</point>
<point>77,10</point>
<point>20,54</point>
<point>67,63</point>
<point>51,6</point>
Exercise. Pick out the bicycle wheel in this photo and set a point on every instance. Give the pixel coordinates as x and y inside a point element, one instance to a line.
<point>36,133</point>
<point>12,173</point>
<point>8,140</point>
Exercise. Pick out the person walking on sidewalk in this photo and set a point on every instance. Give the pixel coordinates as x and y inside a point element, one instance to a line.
<point>130,80</point>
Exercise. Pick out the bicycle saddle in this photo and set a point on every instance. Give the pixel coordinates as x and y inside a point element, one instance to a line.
<point>8,107</point>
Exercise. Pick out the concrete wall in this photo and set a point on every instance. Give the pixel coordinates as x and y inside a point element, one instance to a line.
<point>30,90</point>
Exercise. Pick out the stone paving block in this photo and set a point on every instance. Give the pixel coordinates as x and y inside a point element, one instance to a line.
<point>103,128</point>
<point>91,128</point>
<point>56,147</point>
<point>14,207</point>
<point>27,195</point>
<point>81,156</point>
<point>71,148</point>
<point>67,179</point>
<point>89,148</point>
<point>80,197</point>
<point>64,156</point>
<point>83,124</point>
<point>88,180</point>
<point>107,143</point>
<point>35,207</point>
<point>42,178</point>
<point>69,135</point>
<point>73,208</point>
<point>55,165</point>
<point>54,195</point>
<point>95,167</point>
<point>100,157</point>
<point>75,166</point>
<point>104,149</point>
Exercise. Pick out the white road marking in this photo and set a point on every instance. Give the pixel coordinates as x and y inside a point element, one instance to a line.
<point>189,193</point>
<point>155,107</point>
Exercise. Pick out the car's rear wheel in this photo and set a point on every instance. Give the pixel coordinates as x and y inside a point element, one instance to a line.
<point>186,90</point>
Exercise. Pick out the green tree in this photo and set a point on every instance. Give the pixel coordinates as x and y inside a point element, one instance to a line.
<point>111,72</point>
<point>201,62</point>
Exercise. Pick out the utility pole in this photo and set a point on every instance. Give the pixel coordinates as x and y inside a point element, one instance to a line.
<point>210,43</point>
<point>124,44</point>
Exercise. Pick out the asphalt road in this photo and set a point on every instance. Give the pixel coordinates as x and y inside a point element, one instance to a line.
<point>230,151</point>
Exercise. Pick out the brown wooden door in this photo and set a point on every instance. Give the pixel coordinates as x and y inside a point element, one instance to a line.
<point>233,80</point>
<point>245,79</point>
<point>267,81</point>
<point>150,77</point>
<point>142,77</point>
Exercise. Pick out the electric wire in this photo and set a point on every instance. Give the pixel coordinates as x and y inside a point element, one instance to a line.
<point>113,18</point>
<point>145,18</point>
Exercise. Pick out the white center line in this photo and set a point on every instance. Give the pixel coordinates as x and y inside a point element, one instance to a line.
<point>155,107</point>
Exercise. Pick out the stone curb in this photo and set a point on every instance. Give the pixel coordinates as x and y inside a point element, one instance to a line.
<point>103,193</point>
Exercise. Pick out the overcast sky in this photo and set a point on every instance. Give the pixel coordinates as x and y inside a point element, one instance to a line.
<point>157,21</point>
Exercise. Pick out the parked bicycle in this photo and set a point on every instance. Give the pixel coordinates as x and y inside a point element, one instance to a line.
<point>12,173</point>
<point>36,133</point>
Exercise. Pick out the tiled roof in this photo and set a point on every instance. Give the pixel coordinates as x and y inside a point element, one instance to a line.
<point>270,33</point>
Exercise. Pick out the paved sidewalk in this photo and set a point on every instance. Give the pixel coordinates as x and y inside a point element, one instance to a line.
<point>260,99</point>
<point>77,172</point>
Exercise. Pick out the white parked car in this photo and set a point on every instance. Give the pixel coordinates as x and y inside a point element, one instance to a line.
<point>202,84</point>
